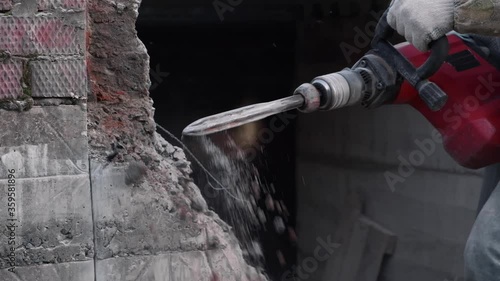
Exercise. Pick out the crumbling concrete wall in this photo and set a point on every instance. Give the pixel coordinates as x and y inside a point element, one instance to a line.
<point>92,191</point>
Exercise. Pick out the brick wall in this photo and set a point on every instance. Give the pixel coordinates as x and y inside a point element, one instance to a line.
<point>42,54</point>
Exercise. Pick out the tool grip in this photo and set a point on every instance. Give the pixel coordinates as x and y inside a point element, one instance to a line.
<point>436,98</point>
<point>439,53</point>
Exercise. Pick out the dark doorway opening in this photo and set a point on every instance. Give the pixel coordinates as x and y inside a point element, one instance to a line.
<point>199,69</point>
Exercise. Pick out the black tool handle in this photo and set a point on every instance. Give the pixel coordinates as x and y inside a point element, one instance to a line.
<point>429,92</point>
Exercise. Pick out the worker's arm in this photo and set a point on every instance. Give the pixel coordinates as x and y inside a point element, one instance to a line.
<point>423,21</point>
<point>478,16</point>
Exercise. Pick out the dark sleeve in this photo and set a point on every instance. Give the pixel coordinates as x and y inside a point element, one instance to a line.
<point>490,181</point>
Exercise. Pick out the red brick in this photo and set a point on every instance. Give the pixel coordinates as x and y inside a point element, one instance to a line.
<point>5,5</point>
<point>61,78</point>
<point>44,5</point>
<point>11,73</point>
<point>39,35</point>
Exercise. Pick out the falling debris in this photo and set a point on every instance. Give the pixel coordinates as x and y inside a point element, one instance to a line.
<point>256,191</point>
<point>234,190</point>
<point>278,207</point>
<point>135,172</point>
<point>231,189</point>
<point>285,210</point>
<point>292,235</point>
<point>262,216</point>
<point>279,225</point>
<point>269,203</point>
<point>281,258</point>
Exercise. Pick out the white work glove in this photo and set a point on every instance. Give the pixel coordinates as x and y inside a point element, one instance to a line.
<point>422,21</point>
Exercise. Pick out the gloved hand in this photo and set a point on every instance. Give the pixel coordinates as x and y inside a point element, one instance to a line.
<point>421,21</point>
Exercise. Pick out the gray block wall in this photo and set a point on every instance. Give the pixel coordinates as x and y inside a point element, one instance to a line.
<point>44,163</point>
<point>345,155</point>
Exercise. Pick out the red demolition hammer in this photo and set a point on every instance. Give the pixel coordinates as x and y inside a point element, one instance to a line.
<point>453,86</point>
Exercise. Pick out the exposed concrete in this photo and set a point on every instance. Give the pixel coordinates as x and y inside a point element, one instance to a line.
<point>141,219</point>
<point>45,141</point>
<point>74,271</point>
<point>226,264</point>
<point>25,8</point>
<point>192,266</point>
<point>167,267</point>
<point>54,221</point>
<point>47,148</point>
<point>153,219</point>
<point>151,222</point>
